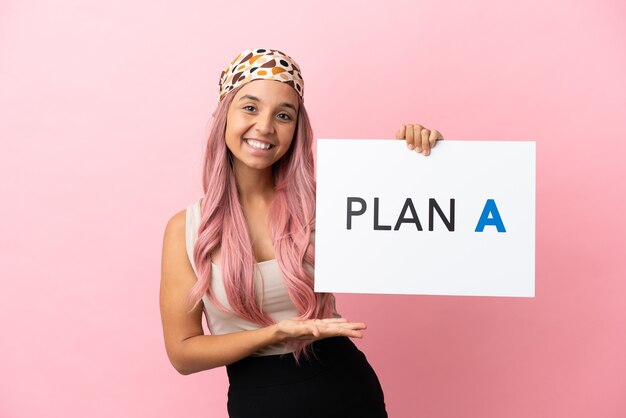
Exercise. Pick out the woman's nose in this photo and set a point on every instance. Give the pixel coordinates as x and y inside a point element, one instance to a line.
<point>264,123</point>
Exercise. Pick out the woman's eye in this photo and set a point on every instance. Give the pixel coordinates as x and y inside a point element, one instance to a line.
<point>283,116</point>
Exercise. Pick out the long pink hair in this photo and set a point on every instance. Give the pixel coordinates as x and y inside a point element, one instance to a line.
<point>291,222</point>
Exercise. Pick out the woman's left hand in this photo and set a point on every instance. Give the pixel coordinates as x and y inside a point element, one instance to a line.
<point>419,138</point>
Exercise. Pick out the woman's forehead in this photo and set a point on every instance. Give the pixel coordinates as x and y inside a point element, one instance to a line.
<point>269,91</point>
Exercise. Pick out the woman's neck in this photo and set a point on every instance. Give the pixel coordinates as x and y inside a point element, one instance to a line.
<point>253,184</point>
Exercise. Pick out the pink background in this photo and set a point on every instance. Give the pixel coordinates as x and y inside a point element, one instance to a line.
<point>103,117</point>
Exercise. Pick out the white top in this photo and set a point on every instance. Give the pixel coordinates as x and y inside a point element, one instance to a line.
<point>270,289</point>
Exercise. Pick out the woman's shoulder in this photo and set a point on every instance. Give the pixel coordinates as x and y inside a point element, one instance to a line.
<point>176,225</point>
<point>178,219</point>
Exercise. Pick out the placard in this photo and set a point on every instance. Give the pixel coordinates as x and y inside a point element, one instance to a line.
<point>460,221</point>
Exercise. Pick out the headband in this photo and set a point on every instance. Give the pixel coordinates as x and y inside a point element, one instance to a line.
<point>255,64</point>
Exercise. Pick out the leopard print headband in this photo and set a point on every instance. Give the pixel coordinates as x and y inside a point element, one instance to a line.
<point>254,64</point>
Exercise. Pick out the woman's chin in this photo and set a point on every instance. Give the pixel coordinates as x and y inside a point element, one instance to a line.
<point>255,164</point>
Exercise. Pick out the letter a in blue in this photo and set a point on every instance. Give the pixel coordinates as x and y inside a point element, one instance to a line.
<point>490,216</point>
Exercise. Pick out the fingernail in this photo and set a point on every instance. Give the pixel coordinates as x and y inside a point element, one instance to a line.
<point>410,146</point>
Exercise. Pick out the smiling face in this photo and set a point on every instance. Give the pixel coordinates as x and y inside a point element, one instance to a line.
<point>261,123</point>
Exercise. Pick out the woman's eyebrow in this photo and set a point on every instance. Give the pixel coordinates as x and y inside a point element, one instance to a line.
<point>256,99</point>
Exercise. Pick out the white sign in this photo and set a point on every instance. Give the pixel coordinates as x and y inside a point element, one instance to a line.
<point>458,222</point>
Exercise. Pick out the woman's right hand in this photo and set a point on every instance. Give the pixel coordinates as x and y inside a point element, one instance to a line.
<point>317,329</point>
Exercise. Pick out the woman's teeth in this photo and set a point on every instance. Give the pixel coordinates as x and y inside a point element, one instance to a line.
<point>258,144</point>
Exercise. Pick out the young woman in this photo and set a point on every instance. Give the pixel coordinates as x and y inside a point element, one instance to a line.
<point>244,255</point>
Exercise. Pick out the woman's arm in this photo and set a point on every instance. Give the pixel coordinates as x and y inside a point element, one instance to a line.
<point>188,349</point>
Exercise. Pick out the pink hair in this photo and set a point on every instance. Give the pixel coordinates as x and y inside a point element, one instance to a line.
<point>291,222</point>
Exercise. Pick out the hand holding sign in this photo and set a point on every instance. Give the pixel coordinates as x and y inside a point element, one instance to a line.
<point>418,137</point>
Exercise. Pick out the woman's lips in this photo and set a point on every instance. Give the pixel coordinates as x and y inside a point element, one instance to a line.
<point>258,145</point>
